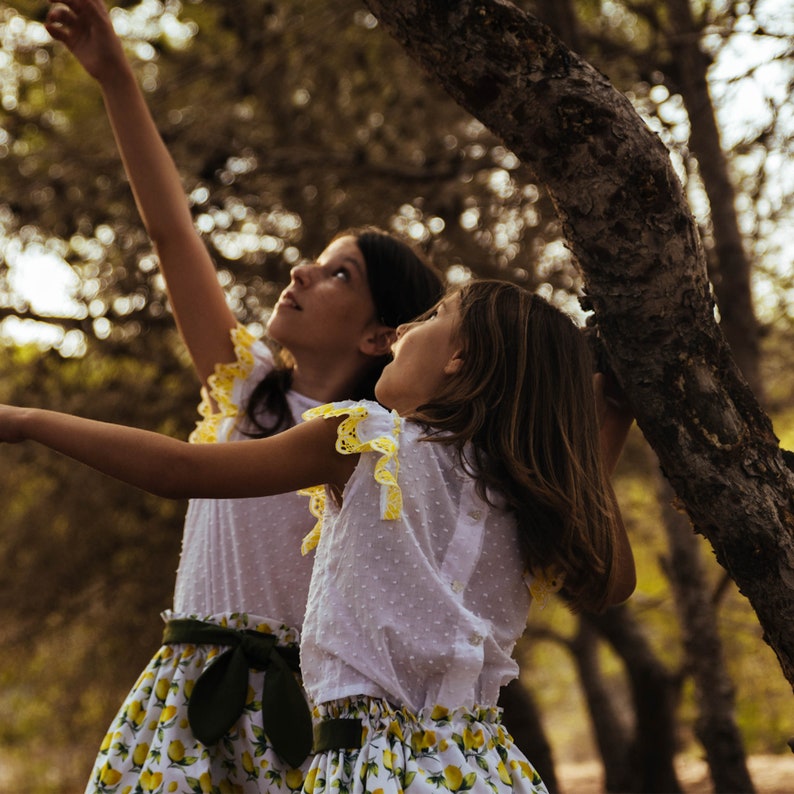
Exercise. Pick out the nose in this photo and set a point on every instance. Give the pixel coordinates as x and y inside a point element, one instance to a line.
<point>302,274</point>
<point>402,328</point>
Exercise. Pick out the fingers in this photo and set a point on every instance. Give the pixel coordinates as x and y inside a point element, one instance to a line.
<point>60,21</point>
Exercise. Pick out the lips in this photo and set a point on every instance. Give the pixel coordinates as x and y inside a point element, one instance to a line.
<point>287,300</point>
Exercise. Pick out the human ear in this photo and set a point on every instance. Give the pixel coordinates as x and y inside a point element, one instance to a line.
<point>453,366</point>
<point>377,340</point>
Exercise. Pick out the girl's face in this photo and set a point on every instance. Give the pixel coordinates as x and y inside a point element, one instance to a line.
<point>426,354</point>
<point>327,307</point>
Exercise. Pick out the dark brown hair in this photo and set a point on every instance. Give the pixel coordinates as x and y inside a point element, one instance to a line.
<point>524,399</point>
<point>403,284</point>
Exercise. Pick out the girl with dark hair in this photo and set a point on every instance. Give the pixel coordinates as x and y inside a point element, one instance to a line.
<point>242,583</point>
<point>482,484</point>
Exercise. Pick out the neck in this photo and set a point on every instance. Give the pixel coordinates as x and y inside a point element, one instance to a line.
<point>325,383</point>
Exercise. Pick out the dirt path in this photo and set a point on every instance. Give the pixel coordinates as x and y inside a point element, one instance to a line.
<point>771,774</point>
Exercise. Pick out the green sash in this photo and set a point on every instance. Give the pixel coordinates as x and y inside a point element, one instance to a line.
<point>219,695</point>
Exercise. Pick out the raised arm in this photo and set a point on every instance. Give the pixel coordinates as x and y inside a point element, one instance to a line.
<point>202,314</point>
<point>300,457</point>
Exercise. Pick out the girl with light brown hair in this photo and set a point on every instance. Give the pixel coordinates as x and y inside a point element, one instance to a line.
<point>479,486</point>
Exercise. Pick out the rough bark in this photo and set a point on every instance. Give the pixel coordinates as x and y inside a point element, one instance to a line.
<point>627,222</point>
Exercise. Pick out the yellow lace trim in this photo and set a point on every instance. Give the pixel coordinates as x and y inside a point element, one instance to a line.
<point>348,443</point>
<point>544,584</point>
<point>221,384</point>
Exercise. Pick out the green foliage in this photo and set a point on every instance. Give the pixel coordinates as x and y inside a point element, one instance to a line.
<point>289,121</point>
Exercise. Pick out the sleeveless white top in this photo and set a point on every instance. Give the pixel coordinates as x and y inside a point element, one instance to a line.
<point>243,555</point>
<point>418,593</point>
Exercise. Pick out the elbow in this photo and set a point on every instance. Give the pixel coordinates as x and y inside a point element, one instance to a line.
<point>622,590</point>
<point>623,584</point>
<point>174,477</point>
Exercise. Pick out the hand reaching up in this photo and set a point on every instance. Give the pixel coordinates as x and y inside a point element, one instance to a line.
<point>84,26</point>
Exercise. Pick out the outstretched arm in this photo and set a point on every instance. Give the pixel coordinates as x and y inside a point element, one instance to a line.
<point>300,457</point>
<point>198,301</point>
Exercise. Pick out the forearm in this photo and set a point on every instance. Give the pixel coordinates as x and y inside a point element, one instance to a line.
<point>153,175</point>
<point>613,433</point>
<point>199,304</point>
<point>298,458</point>
<point>155,463</point>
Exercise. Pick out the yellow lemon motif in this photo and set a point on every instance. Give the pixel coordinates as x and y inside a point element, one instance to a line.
<point>472,741</point>
<point>453,777</point>
<point>184,723</point>
<point>139,754</point>
<point>174,786</point>
<point>395,730</point>
<point>161,688</point>
<point>106,742</point>
<point>109,776</point>
<point>126,790</point>
<point>423,740</point>
<point>205,782</point>
<point>442,745</point>
<point>134,711</point>
<point>176,751</point>
<point>167,713</point>
<point>151,781</point>
<point>294,778</point>
<point>504,775</point>
<point>388,759</point>
<point>248,762</point>
<point>189,687</point>
<point>439,713</point>
<point>249,697</point>
<point>308,784</point>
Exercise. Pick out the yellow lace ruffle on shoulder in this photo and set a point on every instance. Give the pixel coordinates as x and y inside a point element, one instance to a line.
<point>543,584</point>
<point>348,442</point>
<point>221,387</point>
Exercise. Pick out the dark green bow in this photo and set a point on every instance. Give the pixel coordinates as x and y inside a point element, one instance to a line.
<point>219,695</point>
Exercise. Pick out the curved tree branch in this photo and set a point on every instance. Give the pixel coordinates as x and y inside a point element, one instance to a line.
<point>627,222</point>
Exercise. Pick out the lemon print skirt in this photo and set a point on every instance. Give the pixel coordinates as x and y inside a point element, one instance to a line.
<point>149,747</point>
<point>436,750</point>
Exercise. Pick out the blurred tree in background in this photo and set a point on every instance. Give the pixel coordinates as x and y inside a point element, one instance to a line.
<point>291,121</point>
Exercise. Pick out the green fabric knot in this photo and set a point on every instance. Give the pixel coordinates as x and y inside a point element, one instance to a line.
<point>221,691</point>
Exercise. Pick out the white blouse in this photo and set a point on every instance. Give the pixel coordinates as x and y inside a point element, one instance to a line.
<point>418,593</point>
<point>243,555</point>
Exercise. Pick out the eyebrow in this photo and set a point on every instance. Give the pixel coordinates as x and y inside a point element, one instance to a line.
<point>351,261</point>
<point>356,264</point>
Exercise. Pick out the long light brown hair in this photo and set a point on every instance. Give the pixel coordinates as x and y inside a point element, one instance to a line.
<point>524,399</point>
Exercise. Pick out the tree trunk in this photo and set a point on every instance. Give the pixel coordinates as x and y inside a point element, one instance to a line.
<point>612,736</point>
<point>655,694</point>
<point>626,221</point>
<point>715,726</point>
<point>731,271</point>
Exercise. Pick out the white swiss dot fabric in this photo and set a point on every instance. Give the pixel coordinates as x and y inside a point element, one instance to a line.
<point>421,610</point>
<point>243,555</point>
